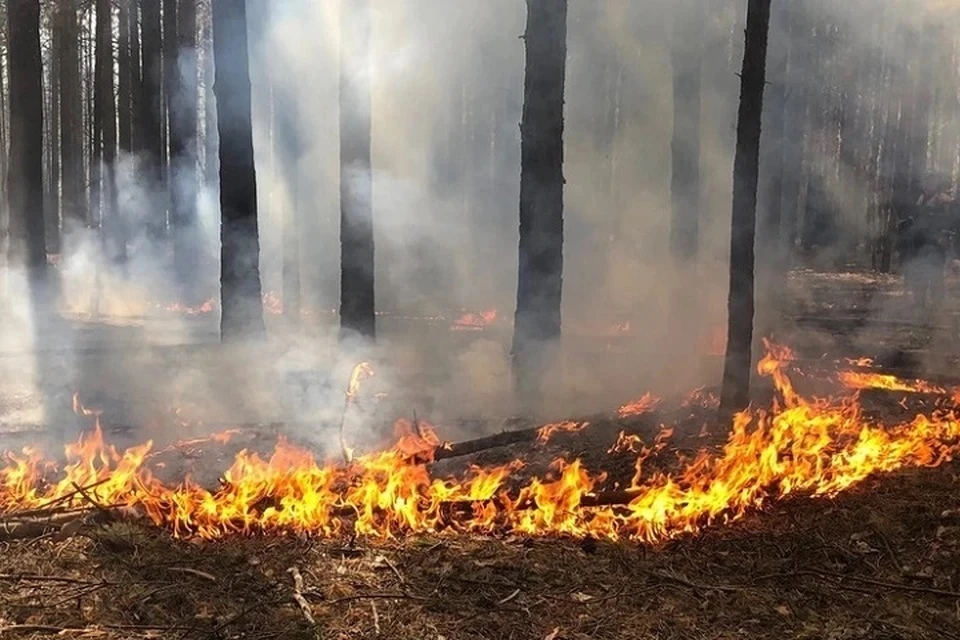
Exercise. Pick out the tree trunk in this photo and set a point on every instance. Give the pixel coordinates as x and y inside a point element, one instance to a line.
<point>182,113</point>
<point>240,293</point>
<point>137,109</point>
<point>152,116</point>
<point>357,300</point>
<point>289,154</point>
<point>25,186</point>
<point>71,116</point>
<point>540,273</point>
<point>52,200</point>
<point>687,58</point>
<point>112,226</point>
<point>735,391</point>
<point>211,165</point>
<point>125,78</point>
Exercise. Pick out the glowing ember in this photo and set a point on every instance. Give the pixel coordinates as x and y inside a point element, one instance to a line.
<point>700,397</point>
<point>817,448</point>
<point>626,442</point>
<point>547,431</point>
<point>206,307</point>
<point>272,303</point>
<point>639,407</point>
<point>475,321</point>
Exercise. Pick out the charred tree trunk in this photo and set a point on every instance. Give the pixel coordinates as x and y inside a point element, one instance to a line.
<point>182,114</point>
<point>540,273</point>
<point>25,186</point>
<point>152,115</point>
<point>357,292</point>
<point>112,227</point>
<point>687,58</point>
<point>125,78</point>
<point>735,391</point>
<point>240,293</point>
<point>71,115</point>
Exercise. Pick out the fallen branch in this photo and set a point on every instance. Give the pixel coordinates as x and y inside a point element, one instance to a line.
<point>298,595</point>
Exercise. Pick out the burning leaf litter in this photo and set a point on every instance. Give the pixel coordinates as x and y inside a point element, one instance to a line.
<point>815,447</point>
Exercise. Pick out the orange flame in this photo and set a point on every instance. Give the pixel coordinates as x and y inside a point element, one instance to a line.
<point>646,403</point>
<point>817,448</point>
<point>867,380</point>
<point>547,431</point>
<point>475,321</point>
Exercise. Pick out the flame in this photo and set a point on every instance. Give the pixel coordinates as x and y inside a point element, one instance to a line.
<point>646,403</point>
<point>700,397</point>
<point>207,306</point>
<point>475,321</point>
<point>626,442</point>
<point>860,362</point>
<point>813,447</point>
<point>357,374</point>
<point>547,431</point>
<point>867,380</point>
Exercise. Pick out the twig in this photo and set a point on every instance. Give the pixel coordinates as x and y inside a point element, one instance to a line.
<point>298,595</point>
<point>376,617</point>
<point>670,577</point>
<point>46,508</point>
<point>86,496</point>
<point>374,596</point>
<point>194,572</point>
<point>876,583</point>
<point>18,577</point>
<point>510,597</point>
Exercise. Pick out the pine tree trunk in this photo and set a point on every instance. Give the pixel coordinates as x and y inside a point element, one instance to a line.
<point>25,179</point>
<point>137,126</point>
<point>357,299</point>
<point>52,200</point>
<point>112,226</point>
<point>152,115</point>
<point>211,166</point>
<point>288,138</point>
<point>687,58</point>
<point>71,117</point>
<point>735,392</point>
<point>240,293</point>
<point>182,113</point>
<point>540,273</point>
<point>125,78</point>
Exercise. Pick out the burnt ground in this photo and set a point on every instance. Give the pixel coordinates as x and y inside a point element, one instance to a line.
<point>881,561</point>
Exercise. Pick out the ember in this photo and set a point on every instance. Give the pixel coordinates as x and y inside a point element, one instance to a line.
<point>475,321</point>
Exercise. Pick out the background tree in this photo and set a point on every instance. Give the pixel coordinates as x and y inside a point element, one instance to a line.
<point>25,179</point>
<point>106,126</point>
<point>240,293</point>
<point>71,114</point>
<point>152,113</point>
<point>540,273</point>
<point>735,391</point>
<point>182,114</point>
<point>357,292</point>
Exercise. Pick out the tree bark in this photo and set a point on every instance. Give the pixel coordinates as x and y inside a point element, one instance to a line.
<point>125,77</point>
<point>71,115</point>
<point>289,154</point>
<point>735,390</point>
<point>357,292</point>
<point>136,79</point>
<point>540,273</point>
<point>25,179</point>
<point>152,115</point>
<point>240,293</point>
<point>112,226</point>
<point>687,59</point>
<point>52,200</point>
<point>182,113</point>
<point>211,165</point>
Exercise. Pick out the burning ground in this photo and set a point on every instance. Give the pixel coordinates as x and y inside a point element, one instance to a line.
<point>814,517</point>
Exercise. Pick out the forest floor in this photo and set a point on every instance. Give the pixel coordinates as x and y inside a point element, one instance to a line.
<point>879,561</point>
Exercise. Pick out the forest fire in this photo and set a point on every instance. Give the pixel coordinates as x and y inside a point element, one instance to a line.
<point>812,447</point>
<point>475,321</point>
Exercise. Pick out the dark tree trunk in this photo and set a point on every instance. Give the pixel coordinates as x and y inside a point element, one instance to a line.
<point>152,115</point>
<point>137,109</point>
<point>735,391</point>
<point>25,179</point>
<point>71,115</point>
<point>182,113</point>
<point>357,299</point>
<point>240,293</point>
<point>687,58</point>
<point>540,273</point>
<point>112,226</point>
<point>125,78</point>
